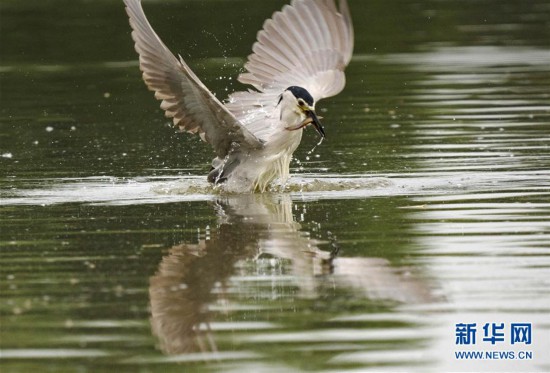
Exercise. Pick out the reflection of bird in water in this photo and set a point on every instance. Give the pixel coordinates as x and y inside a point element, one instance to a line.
<point>181,291</point>
<point>299,58</point>
<point>192,277</point>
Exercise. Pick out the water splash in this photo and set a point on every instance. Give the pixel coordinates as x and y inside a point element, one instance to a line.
<point>314,148</point>
<point>124,191</point>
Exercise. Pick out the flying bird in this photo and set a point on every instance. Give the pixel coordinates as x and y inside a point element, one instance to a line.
<point>298,59</point>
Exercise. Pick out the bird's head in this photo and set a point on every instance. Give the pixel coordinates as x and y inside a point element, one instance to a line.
<point>298,110</point>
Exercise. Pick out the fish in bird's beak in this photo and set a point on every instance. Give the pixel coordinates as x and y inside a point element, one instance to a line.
<point>311,117</point>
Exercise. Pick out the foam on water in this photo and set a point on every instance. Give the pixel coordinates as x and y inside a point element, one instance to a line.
<point>124,191</point>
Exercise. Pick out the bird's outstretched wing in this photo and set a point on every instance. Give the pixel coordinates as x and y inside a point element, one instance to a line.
<point>308,44</point>
<point>184,97</point>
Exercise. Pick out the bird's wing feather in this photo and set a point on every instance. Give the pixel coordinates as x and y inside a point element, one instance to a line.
<point>308,44</point>
<point>184,97</point>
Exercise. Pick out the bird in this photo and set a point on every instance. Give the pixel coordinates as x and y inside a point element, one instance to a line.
<point>299,58</point>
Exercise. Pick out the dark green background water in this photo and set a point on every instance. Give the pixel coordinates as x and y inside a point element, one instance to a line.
<point>433,183</point>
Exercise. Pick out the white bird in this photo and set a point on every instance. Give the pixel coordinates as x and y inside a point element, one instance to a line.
<point>299,58</point>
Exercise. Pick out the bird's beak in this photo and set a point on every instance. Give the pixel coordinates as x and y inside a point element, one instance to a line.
<point>312,118</point>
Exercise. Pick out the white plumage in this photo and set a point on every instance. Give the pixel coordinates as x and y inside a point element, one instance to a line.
<point>306,45</point>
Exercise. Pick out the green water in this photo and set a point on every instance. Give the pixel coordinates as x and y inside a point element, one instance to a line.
<point>427,206</point>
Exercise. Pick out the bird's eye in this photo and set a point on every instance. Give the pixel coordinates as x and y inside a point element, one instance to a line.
<point>301,102</point>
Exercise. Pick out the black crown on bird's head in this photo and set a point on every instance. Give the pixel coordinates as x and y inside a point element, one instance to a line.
<point>302,93</point>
